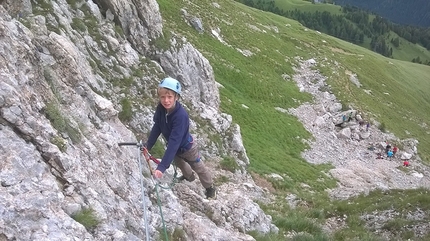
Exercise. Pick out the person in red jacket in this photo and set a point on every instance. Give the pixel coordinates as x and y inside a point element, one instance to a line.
<point>395,149</point>
<point>172,121</point>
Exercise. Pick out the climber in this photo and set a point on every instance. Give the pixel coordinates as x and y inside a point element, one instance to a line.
<point>350,116</point>
<point>387,147</point>
<point>172,121</point>
<point>390,153</point>
<point>344,118</point>
<point>395,149</point>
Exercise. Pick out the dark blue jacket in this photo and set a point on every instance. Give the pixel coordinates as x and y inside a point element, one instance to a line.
<point>175,129</point>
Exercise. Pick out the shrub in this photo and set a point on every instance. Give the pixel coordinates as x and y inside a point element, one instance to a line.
<point>178,235</point>
<point>126,112</point>
<point>78,24</point>
<point>87,218</point>
<point>54,115</point>
<point>222,179</point>
<point>60,143</point>
<point>60,123</point>
<point>382,127</point>
<point>270,236</point>
<point>163,42</point>
<point>229,164</point>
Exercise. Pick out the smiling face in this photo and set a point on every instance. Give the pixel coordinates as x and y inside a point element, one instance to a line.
<point>167,98</point>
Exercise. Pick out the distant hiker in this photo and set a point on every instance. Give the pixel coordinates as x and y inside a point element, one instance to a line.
<point>343,118</point>
<point>405,163</point>
<point>379,156</point>
<point>387,147</point>
<point>395,149</point>
<point>350,116</point>
<point>367,126</point>
<point>390,153</point>
<point>172,121</point>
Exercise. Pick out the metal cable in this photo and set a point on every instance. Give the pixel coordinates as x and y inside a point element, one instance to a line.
<point>156,183</point>
<point>145,215</point>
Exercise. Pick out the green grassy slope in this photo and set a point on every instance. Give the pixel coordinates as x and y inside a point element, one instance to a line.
<point>272,139</point>
<point>406,51</point>
<point>257,83</point>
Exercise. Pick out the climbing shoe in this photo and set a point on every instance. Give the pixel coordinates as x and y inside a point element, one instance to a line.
<point>192,178</point>
<point>211,192</point>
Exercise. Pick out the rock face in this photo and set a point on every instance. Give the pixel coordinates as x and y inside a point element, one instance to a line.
<point>140,20</point>
<point>69,78</point>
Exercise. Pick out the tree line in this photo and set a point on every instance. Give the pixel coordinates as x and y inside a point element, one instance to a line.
<point>404,12</point>
<point>353,25</point>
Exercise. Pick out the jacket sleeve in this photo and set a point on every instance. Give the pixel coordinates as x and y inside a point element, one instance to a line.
<point>179,124</point>
<point>155,130</point>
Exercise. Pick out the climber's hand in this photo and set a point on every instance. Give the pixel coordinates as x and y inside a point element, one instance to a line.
<point>158,174</point>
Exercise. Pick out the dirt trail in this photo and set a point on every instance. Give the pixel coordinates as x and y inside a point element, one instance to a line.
<point>356,167</point>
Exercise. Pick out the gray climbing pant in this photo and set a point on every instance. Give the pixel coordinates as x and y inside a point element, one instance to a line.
<point>191,160</point>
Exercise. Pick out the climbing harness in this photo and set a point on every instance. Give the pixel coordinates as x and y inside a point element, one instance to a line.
<point>148,157</point>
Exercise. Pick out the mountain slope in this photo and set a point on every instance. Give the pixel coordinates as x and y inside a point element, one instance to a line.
<point>356,26</point>
<point>259,76</point>
<point>255,86</point>
<point>78,77</point>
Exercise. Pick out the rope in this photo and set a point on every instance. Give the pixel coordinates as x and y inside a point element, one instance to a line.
<point>161,212</point>
<point>158,185</point>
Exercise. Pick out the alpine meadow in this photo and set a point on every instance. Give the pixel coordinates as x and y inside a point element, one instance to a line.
<point>251,52</point>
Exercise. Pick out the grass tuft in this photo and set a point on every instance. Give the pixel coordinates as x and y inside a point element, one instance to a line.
<point>87,218</point>
<point>229,164</point>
